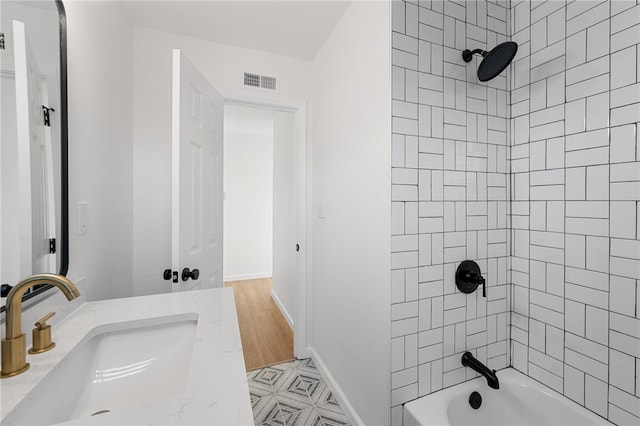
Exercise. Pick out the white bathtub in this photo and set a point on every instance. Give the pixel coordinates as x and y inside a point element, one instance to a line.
<point>519,401</point>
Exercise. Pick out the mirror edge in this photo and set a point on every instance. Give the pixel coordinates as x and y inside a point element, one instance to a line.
<point>63,238</point>
<point>64,144</point>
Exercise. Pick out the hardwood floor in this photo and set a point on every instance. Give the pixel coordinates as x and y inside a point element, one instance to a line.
<point>266,336</point>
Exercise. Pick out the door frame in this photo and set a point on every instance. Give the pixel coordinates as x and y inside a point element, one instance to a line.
<point>302,289</point>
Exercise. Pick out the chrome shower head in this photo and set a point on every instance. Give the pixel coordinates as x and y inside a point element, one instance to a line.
<point>494,61</point>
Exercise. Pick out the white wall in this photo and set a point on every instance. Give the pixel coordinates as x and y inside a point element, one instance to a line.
<point>248,192</point>
<point>351,173</point>
<point>223,66</point>
<point>100,141</point>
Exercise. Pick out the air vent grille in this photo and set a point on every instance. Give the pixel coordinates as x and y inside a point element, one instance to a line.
<point>2,41</point>
<point>251,80</point>
<point>260,81</point>
<point>268,82</point>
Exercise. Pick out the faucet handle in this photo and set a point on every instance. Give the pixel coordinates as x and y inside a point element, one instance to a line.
<point>42,322</point>
<point>42,335</point>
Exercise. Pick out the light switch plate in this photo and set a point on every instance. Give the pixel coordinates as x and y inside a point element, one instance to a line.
<point>322,209</point>
<point>83,217</point>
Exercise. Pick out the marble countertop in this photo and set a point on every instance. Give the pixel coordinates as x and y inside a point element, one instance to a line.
<point>216,392</point>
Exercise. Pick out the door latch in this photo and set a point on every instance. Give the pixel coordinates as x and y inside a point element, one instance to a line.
<point>168,274</point>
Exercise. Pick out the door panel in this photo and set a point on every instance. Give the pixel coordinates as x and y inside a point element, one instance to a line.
<point>192,233</point>
<point>213,197</point>
<point>197,178</point>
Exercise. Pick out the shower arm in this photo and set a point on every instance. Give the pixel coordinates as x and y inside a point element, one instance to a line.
<point>467,54</point>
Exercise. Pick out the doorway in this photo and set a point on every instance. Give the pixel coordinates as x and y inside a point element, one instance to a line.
<point>265,214</point>
<point>248,193</point>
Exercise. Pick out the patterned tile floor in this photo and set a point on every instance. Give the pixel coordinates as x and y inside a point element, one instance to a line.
<point>292,393</point>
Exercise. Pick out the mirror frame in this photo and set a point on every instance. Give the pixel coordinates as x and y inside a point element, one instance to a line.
<point>64,144</point>
<point>63,237</point>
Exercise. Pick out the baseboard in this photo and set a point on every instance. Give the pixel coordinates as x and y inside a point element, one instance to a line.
<point>283,310</point>
<point>247,277</point>
<point>346,406</point>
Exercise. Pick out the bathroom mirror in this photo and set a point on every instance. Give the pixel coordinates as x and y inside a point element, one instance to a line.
<point>33,144</point>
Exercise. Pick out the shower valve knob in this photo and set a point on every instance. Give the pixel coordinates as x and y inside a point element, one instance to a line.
<point>469,277</point>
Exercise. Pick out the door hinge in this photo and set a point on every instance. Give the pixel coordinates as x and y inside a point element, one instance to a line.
<point>52,245</point>
<point>45,114</point>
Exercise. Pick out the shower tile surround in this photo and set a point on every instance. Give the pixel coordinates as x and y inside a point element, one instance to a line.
<point>449,196</point>
<point>535,175</point>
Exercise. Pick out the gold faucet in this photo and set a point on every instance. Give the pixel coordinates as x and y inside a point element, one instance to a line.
<point>14,357</point>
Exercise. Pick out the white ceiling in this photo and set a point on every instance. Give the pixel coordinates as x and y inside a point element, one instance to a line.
<point>291,28</point>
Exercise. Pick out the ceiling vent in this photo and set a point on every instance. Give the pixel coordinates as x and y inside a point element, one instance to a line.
<point>262,82</point>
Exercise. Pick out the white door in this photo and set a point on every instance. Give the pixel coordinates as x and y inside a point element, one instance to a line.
<point>34,158</point>
<point>197,118</point>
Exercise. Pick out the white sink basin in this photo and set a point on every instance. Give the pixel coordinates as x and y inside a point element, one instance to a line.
<point>114,367</point>
<point>166,359</point>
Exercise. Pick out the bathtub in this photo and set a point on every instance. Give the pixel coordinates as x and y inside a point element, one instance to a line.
<point>519,401</point>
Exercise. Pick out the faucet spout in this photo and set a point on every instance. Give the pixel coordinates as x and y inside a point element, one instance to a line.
<point>13,345</point>
<point>468,360</point>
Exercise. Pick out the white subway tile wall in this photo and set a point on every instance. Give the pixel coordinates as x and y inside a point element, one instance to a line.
<point>536,176</point>
<point>594,180</point>
<point>450,149</point>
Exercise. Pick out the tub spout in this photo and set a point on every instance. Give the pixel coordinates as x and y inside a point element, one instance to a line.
<point>468,360</point>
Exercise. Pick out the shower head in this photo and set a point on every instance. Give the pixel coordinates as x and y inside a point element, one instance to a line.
<point>494,61</point>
